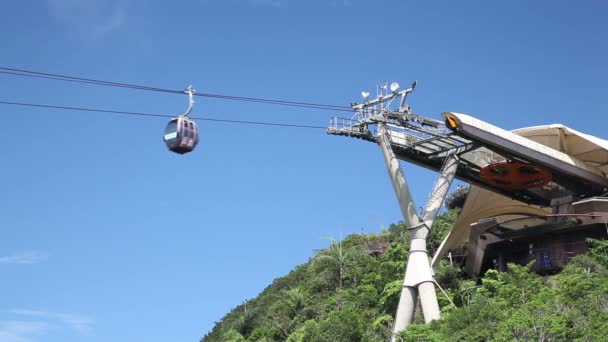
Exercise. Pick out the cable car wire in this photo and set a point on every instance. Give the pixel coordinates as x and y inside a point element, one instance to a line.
<point>95,82</point>
<point>59,77</point>
<point>247,122</point>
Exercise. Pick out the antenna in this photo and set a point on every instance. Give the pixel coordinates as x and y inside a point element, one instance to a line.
<point>395,87</point>
<point>365,95</point>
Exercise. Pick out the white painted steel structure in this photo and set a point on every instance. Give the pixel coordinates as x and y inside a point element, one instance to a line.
<point>460,150</point>
<point>418,281</point>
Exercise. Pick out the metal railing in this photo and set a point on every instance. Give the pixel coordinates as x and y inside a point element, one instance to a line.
<point>340,124</point>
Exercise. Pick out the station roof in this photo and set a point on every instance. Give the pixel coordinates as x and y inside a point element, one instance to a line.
<point>482,203</point>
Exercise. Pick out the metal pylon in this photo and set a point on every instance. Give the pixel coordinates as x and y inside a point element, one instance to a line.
<point>418,281</point>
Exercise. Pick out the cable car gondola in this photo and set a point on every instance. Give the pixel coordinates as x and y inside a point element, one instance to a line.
<point>181,133</point>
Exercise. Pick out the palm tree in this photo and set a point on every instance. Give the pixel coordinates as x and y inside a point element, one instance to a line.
<point>333,260</point>
<point>288,311</point>
<point>241,320</point>
<point>296,299</point>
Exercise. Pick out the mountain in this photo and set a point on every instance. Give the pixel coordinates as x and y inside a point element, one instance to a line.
<point>349,292</point>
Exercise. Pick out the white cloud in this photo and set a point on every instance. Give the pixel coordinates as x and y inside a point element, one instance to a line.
<point>90,19</point>
<point>79,323</point>
<point>24,258</point>
<point>114,22</point>
<point>272,3</point>
<point>22,331</point>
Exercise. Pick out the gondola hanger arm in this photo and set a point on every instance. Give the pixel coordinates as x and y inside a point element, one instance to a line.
<point>190,91</point>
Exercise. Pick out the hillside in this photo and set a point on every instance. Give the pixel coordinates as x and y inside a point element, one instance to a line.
<point>349,292</point>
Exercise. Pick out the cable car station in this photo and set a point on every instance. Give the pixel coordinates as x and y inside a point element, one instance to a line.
<point>535,192</point>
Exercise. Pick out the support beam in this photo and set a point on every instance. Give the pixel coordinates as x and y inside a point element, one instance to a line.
<point>418,280</point>
<point>440,189</point>
<point>408,208</point>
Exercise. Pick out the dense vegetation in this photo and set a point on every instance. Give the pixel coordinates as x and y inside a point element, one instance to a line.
<point>349,292</point>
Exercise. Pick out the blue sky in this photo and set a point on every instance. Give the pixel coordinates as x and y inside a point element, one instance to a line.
<point>109,237</point>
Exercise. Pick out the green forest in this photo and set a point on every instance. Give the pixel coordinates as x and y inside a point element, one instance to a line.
<point>349,292</point>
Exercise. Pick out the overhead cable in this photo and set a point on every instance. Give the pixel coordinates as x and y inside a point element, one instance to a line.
<point>81,109</point>
<point>59,77</point>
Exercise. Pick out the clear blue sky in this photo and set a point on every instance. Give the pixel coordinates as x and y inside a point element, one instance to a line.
<point>106,236</point>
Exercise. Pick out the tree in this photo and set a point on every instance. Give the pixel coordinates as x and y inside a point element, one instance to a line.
<point>390,296</point>
<point>599,250</point>
<point>289,311</point>
<point>342,326</point>
<point>233,336</point>
<point>382,327</point>
<point>330,263</point>
<point>420,333</point>
<point>308,332</point>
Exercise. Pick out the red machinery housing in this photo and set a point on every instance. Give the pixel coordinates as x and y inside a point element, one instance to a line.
<point>515,175</point>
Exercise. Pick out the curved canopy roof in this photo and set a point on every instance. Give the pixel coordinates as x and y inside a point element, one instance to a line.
<point>587,148</point>
<point>482,203</point>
